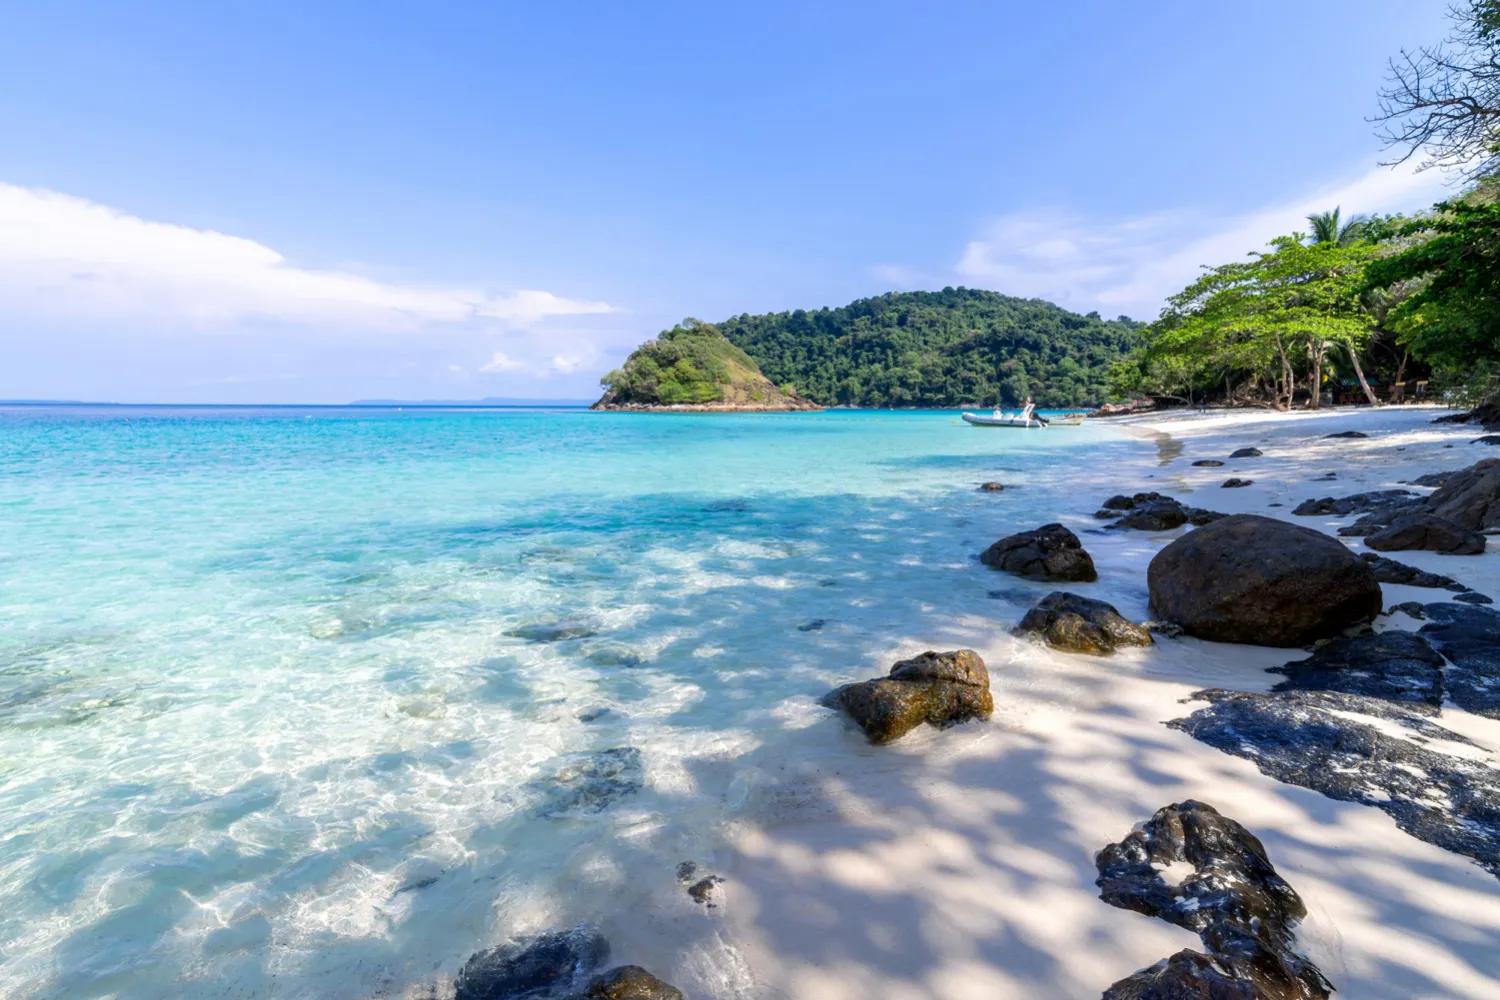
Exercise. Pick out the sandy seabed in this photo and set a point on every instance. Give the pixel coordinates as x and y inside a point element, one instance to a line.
<point>960,864</point>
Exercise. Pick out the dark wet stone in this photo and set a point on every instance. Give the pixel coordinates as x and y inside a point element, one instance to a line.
<point>588,781</point>
<point>629,982</point>
<point>991,487</point>
<point>1254,579</point>
<point>544,966</point>
<point>1358,503</point>
<point>1469,636</point>
<point>1121,501</point>
<point>1234,483</point>
<point>940,689</point>
<point>553,631</point>
<point>1081,625</point>
<point>1473,597</point>
<point>1106,513</point>
<point>592,715</point>
<point>1429,532</point>
<point>1469,497</point>
<point>1241,909</point>
<point>1347,434</point>
<point>812,625</point>
<point>1301,737</point>
<point>1208,463</point>
<point>1275,505</point>
<point>1412,608</point>
<point>705,891</point>
<point>1050,552</point>
<point>1326,477</point>
<point>1487,439</point>
<point>1432,479</point>
<point>1396,666</point>
<point>1159,515</point>
<point>1187,975</point>
<point>613,655</point>
<point>1390,571</point>
<point>1246,453</point>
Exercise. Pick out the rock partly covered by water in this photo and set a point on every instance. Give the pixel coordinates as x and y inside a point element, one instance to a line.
<point>541,967</point>
<point>1050,552</point>
<point>940,689</point>
<point>1347,434</point>
<point>1234,483</point>
<point>1406,532</point>
<point>1081,625</point>
<point>1241,909</point>
<point>629,982</point>
<point>1254,579</point>
<point>1246,453</point>
<point>991,487</point>
<point>1315,739</point>
<point>1152,512</point>
<point>1208,463</point>
<point>588,781</point>
<point>1394,665</point>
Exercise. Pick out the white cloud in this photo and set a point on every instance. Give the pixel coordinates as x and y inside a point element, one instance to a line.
<point>566,364</point>
<point>68,257</point>
<point>1131,265</point>
<point>501,362</point>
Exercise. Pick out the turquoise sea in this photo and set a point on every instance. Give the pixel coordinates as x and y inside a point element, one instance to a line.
<point>318,701</point>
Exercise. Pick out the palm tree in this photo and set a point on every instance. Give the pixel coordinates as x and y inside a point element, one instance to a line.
<point>1326,228</point>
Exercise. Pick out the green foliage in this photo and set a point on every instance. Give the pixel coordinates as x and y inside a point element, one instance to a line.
<point>949,348</point>
<point>690,363</point>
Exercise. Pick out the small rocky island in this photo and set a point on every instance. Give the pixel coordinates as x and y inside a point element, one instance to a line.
<point>693,367</point>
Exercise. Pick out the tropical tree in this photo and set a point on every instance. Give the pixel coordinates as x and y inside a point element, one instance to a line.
<point>1326,228</point>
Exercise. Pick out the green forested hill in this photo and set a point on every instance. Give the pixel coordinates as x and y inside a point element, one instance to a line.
<point>949,348</point>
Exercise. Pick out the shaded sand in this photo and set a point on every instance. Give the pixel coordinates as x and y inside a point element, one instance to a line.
<point>960,864</point>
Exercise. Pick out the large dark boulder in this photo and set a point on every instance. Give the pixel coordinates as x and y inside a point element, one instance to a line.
<point>1050,552</point>
<point>940,689</point>
<point>1081,625</point>
<point>544,966</point>
<point>1426,531</point>
<point>1241,909</point>
<point>1470,497</point>
<point>1254,579</point>
<point>629,982</point>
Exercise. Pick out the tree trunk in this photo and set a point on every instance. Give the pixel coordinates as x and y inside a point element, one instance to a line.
<point>1315,380</point>
<point>1285,381</point>
<point>1360,374</point>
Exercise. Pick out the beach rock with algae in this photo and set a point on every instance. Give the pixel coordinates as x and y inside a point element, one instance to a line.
<point>1257,580</point>
<point>1081,625</point>
<point>1050,552</point>
<point>1232,898</point>
<point>940,689</point>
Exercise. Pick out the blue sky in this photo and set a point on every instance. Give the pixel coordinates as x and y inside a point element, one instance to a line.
<point>322,202</point>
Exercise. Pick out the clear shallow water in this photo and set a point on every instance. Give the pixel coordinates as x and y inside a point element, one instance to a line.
<point>263,730</point>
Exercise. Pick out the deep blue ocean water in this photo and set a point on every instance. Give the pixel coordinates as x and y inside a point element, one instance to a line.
<point>310,701</point>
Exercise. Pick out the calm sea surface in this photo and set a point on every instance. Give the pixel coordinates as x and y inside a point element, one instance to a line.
<point>316,702</point>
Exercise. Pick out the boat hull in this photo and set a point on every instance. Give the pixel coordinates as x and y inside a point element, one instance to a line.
<point>982,421</point>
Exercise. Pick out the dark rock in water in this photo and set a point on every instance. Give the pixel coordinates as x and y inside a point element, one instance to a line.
<point>1122,502</point>
<point>1187,975</point>
<point>1473,597</point>
<point>1169,629</point>
<point>1306,738</point>
<point>991,487</point>
<point>613,654</point>
<point>1159,515</point>
<point>1391,571</point>
<point>1081,625</point>
<point>1326,477</point>
<point>1358,503</point>
<point>702,890</point>
<point>1433,479</point>
<point>1426,531</point>
<point>1487,439</point>
<point>592,715</point>
<point>1234,483</point>
<point>1198,516</point>
<point>1347,434</point>
<point>1208,463</point>
<point>1396,666</point>
<point>812,625</point>
<point>1275,505</point>
<point>1254,579</point>
<point>940,689</point>
<point>1242,910</point>
<point>1050,552</point>
<point>541,967</point>
<point>1469,637</point>
<point>1411,608</point>
<point>629,982</point>
<point>1105,513</point>
<point>588,781</point>
<point>1246,453</point>
<point>553,631</point>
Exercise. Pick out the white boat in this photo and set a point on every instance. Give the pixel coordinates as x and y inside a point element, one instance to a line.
<point>998,419</point>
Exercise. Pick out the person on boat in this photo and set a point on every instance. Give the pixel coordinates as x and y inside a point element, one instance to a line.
<point>1028,414</point>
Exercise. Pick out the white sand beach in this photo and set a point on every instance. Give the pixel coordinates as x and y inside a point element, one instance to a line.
<point>960,864</point>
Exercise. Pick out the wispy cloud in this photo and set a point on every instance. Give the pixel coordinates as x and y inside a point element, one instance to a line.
<point>501,362</point>
<point>1131,265</point>
<point>68,257</point>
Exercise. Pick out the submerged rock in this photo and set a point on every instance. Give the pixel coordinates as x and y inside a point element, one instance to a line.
<point>629,982</point>
<point>1242,910</point>
<point>1246,453</point>
<point>588,781</point>
<point>1390,571</point>
<point>1254,579</point>
<point>1121,501</point>
<point>1081,625</point>
<point>940,689</point>
<point>1425,531</point>
<point>1308,738</point>
<point>1347,434</point>
<point>543,966</point>
<point>1050,552</point>
<point>1234,483</point>
<point>991,487</point>
<point>1208,463</point>
<point>553,631</point>
<point>1394,665</point>
<point>1469,637</point>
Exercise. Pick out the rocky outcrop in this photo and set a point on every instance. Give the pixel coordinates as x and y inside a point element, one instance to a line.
<point>1346,434</point>
<point>1050,552</point>
<point>1253,579</point>
<point>1233,483</point>
<point>1233,899</point>
<point>1393,665</point>
<point>1081,625</point>
<point>1315,739</point>
<point>1487,415</point>
<point>542,967</point>
<point>940,689</point>
<point>1390,571</point>
<point>1152,512</point>
<point>1246,453</point>
<point>1469,637</point>
<point>1470,498</point>
<point>629,982</point>
<point>1425,531</point>
<point>1358,503</point>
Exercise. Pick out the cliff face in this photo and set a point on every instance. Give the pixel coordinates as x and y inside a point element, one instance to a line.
<point>693,367</point>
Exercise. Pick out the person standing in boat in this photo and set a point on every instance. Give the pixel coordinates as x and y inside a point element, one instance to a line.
<point>1028,414</point>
